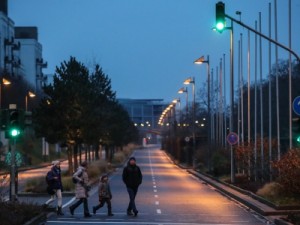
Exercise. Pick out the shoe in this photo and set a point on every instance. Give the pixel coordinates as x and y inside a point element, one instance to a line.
<point>71,211</point>
<point>135,213</point>
<point>59,211</point>
<point>110,214</point>
<point>87,215</point>
<point>129,213</point>
<point>94,210</point>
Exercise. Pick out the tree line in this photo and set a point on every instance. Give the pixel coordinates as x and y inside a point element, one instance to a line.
<point>80,107</point>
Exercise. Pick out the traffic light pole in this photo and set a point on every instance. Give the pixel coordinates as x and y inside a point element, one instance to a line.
<point>13,172</point>
<point>264,36</point>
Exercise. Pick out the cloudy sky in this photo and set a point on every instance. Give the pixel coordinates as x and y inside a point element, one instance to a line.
<point>147,47</point>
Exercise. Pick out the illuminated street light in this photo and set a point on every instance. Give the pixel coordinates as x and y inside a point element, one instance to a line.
<point>181,91</point>
<point>5,82</point>
<point>31,95</point>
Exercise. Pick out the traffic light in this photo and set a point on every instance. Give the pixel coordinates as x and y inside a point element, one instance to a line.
<point>296,130</point>
<point>4,119</point>
<point>220,17</point>
<point>14,125</point>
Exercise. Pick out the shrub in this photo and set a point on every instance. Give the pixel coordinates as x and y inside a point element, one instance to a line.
<point>119,157</point>
<point>97,168</point>
<point>289,171</point>
<point>36,185</point>
<point>17,213</point>
<point>272,189</point>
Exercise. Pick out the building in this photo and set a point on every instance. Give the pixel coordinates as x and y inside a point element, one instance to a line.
<point>20,51</point>
<point>145,114</point>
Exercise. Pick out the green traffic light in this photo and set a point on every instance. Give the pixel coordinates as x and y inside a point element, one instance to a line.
<point>14,132</point>
<point>298,139</point>
<point>220,26</point>
<point>220,16</point>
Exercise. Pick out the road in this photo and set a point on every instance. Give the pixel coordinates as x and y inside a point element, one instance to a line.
<point>167,196</point>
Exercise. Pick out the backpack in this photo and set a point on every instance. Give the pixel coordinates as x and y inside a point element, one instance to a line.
<point>74,180</point>
<point>47,178</point>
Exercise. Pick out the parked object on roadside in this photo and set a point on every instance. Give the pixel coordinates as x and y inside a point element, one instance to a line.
<point>81,189</point>
<point>54,186</point>
<point>105,195</point>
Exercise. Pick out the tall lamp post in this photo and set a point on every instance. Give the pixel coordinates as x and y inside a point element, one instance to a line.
<point>181,91</point>
<point>5,82</point>
<point>28,94</point>
<point>191,80</point>
<point>200,61</point>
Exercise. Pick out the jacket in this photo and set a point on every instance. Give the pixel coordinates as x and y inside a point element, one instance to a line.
<point>54,177</point>
<point>104,190</point>
<point>82,177</point>
<point>132,176</point>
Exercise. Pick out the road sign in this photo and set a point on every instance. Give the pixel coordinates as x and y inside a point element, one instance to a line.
<point>232,138</point>
<point>296,105</point>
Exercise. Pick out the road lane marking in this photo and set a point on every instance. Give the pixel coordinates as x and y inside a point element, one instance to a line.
<point>156,202</point>
<point>158,211</point>
<point>156,196</point>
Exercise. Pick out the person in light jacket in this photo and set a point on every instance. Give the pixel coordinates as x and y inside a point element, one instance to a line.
<point>81,189</point>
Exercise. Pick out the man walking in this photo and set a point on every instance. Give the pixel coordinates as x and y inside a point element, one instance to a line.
<point>132,177</point>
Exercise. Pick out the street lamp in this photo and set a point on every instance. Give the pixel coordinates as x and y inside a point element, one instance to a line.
<point>28,94</point>
<point>200,61</point>
<point>181,91</point>
<point>191,80</point>
<point>5,82</point>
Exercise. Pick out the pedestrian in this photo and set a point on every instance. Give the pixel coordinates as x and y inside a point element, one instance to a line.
<point>132,177</point>
<point>55,186</point>
<point>81,189</point>
<point>105,195</point>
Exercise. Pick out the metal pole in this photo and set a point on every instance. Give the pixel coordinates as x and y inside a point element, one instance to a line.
<point>242,91</point>
<point>225,108</point>
<point>231,101</point>
<point>261,103</point>
<point>255,108</point>
<point>277,84</point>
<point>248,108</point>
<point>13,173</point>
<point>270,98</point>
<point>193,125</point>
<point>209,116</point>
<point>290,75</point>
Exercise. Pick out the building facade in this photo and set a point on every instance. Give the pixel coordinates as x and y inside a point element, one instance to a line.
<point>145,114</point>
<point>20,51</point>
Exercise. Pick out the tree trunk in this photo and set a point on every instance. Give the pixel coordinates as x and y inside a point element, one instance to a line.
<point>75,150</point>
<point>69,151</point>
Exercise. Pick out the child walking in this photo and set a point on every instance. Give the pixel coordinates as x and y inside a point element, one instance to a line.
<point>104,195</point>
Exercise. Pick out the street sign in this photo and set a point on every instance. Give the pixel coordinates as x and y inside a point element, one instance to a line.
<point>296,105</point>
<point>232,138</point>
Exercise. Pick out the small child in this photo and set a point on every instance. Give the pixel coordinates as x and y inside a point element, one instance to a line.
<point>104,195</point>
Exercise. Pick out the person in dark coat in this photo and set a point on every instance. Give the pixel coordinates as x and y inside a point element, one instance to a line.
<point>132,177</point>
<point>55,185</point>
<point>81,189</point>
<point>105,195</point>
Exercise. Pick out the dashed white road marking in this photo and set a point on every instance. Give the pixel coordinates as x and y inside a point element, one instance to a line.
<point>158,211</point>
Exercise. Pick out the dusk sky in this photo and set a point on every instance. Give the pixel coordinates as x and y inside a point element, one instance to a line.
<point>147,47</point>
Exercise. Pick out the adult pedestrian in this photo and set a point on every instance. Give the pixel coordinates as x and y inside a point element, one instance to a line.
<point>55,186</point>
<point>132,177</point>
<point>81,189</point>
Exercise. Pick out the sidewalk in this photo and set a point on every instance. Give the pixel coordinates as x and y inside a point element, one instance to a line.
<point>247,198</point>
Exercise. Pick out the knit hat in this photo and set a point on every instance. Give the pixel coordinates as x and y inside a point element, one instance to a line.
<point>56,162</point>
<point>132,158</point>
<point>84,164</point>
